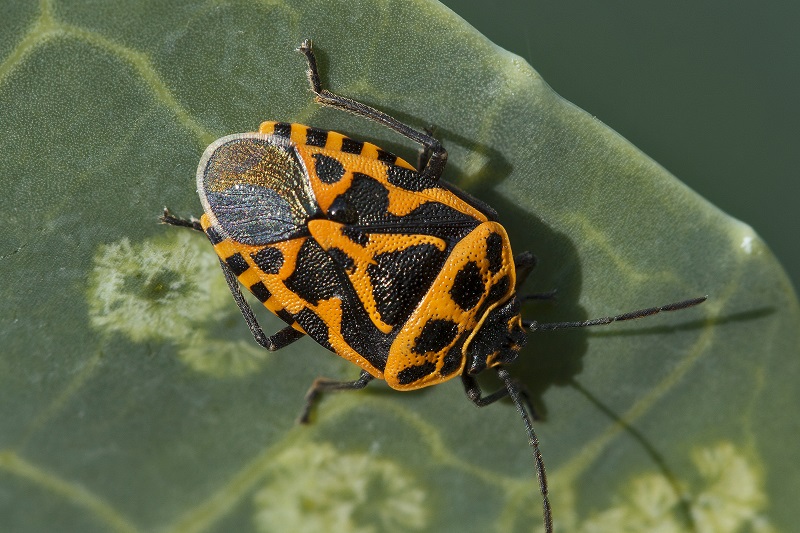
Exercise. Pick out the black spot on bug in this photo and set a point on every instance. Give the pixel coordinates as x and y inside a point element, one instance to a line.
<point>260,291</point>
<point>499,289</point>
<point>269,260</point>
<point>468,286</point>
<point>355,235</point>
<point>386,157</point>
<point>314,326</point>
<point>283,129</point>
<point>342,259</point>
<point>285,315</point>
<point>496,293</point>
<point>315,277</point>
<point>213,235</point>
<point>237,264</point>
<point>400,280</point>
<point>494,252</point>
<point>408,179</point>
<point>360,333</point>
<point>328,169</point>
<point>452,359</point>
<point>367,197</point>
<point>435,336</point>
<point>352,147</point>
<point>415,373</point>
<point>315,137</point>
<point>495,342</point>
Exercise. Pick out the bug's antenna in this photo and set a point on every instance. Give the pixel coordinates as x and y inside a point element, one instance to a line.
<point>631,315</point>
<point>518,398</point>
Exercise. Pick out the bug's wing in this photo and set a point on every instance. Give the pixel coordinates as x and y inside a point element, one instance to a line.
<point>254,189</point>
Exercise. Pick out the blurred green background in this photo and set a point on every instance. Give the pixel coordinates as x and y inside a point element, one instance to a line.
<point>707,89</point>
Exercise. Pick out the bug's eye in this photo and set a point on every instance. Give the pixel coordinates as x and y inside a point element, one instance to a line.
<point>341,211</point>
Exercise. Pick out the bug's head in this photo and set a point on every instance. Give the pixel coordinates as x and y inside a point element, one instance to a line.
<point>498,340</point>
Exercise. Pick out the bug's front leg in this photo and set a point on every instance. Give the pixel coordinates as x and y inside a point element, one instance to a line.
<point>475,394</point>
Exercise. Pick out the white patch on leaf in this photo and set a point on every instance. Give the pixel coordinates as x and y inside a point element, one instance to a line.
<point>747,244</point>
<point>729,499</point>
<point>314,488</point>
<point>169,289</point>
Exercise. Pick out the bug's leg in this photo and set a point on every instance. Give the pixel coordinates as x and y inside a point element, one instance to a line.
<point>275,342</point>
<point>475,394</point>
<point>321,385</point>
<point>424,154</point>
<point>549,295</point>
<point>170,219</point>
<point>524,263</point>
<point>438,155</point>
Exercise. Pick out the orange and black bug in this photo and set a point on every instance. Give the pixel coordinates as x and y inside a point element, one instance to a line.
<point>381,263</point>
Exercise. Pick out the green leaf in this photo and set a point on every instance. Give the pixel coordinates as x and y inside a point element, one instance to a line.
<point>132,397</point>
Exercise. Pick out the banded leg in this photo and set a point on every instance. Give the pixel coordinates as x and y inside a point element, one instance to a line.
<point>437,154</point>
<point>275,342</point>
<point>321,385</point>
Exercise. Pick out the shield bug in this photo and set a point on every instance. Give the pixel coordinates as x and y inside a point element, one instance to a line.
<point>380,262</point>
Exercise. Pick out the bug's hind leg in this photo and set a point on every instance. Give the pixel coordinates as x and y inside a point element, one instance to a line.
<point>321,385</point>
<point>437,159</point>
<point>168,218</point>
<point>424,153</point>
